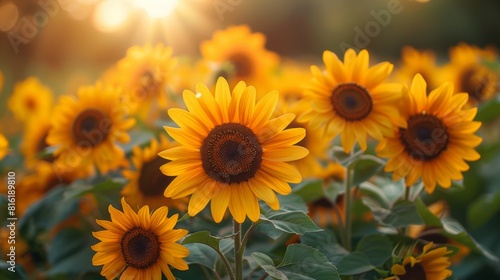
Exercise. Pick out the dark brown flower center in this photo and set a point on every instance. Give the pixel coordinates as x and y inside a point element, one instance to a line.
<point>323,203</point>
<point>425,138</point>
<point>30,104</point>
<point>148,81</point>
<point>90,128</point>
<point>242,65</point>
<point>231,153</point>
<point>152,182</point>
<point>416,272</point>
<point>140,248</point>
<point>351,101</point>
<point>478,82</point>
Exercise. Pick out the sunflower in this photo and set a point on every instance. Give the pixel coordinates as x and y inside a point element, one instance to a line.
<point>468,71</point>
<point>30,100</point>
<point>351,99</point>
<point>436,139</point>
<point>35,142</point>
<point>141,245</point>
<point>4,146</point>
<point>146,183</point>
<point>290,81</point>
<point>430,264</point>
<point>231,152</point>
<point>85,130</point>
<point>144,73</point>
<point>415,61</point>
<point>237,54</point>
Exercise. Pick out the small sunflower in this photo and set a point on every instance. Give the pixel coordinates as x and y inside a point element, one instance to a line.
<point>146,183</point>
<point>35,142</point>
<point>240,55</point>
<point>430,264</point>
<point>414,62</point>
<point>30,100</point>
<point>86,130</point>
<point>4,146</point>
<point>468,71</point>
<point>352,99</point>
<point>290,81</point>
<point>141,245</point>
<point>231,152</point>
<point>436,139</point>
<point>144,74</point>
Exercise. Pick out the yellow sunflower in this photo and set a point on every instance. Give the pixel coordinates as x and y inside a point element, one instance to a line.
<point>4,146</point>
<point>468,72</point>
<point>414,62</point>
<point>35,142</point>
<point>237,54</point>
<point>86,130</point>
<point>352,99</point>
<point>430,264</point>
<point>146,183</point>
<point>141,245</point>
<point>30,100</point>
<point>437,137</point>
<point>290,81</point>
<point>231,152</point>
<point>144,74</point>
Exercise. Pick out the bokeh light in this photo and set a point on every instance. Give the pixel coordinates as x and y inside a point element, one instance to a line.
<point>110,15</point>
<point>8,16</point>
<point>157,8</point>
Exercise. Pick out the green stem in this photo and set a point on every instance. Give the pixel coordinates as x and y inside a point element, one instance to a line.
<point>247,235</point>
<point>348,210</point>
<point>238,250</point>
<point>407,198</point>
<point>229,269</point>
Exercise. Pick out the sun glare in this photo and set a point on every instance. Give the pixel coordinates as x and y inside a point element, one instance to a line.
<point>157,8</point>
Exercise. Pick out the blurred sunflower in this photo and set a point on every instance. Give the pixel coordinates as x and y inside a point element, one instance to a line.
<point>436,139</point>
<point>290,81</point>
<point>352,99</point>
<point>146,183</point>
<point>141,245</point>
<point>4,146</point>
<point>30,100</point>
<point>237,54</point>
<point>415,61</point>
<point>86,130</point>
<point>430,264</point>
<point>35,142</point>
<point>1,81</point>
<point>468,71</point>
<point>144,74</point>
<point>231,152</point>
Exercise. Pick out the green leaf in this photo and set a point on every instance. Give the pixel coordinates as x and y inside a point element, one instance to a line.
<point>266,263</point>
<point>18,274</point>
<point>290,221</point>
<point>309,190</point>
<point>488,110</point>
<point>202,237</point>
<point>290,202</point>
<point>201,254</point>
<point>403,213</point>
<point>303,262</point>
<point>365,167</point>
<point>75,262</point>
<point>326,242</point>
<point>65,243</point>
<point>427,216</point>
<point>483,209</point>
<point>354,263</point>
<point>376,193</point>
<point>344,159</point>
<point>80,188</point>
<point>377,248</point>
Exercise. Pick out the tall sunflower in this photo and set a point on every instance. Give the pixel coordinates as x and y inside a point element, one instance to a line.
<point>146,183</point>
<point>352,99</point>
<point>144,74</point>
<point>30,100</point>
<point>86,130</point>
<point>469,72</point>
<point>414,62</point>
<point>437,137</point>
<point>231,152</point>
<point>430,264</point>
<point>237,54</point>
<point>141,245</point>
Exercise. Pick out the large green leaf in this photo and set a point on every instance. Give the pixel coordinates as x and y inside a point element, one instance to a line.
<point>326,242</point>
<point>309,190</point>
<point>376,247</point>
<point>201,254</point>
<point>80,188</point>
<point>344,159</point>
<point>365,167</point>
<point>483,209</point>
<point>203,237</point>
<point>354,263</point>
<point>488,110</point>
<point>266,263</point>
<point>403,213</point>
<point>287,221</point>
<point>304,262</point>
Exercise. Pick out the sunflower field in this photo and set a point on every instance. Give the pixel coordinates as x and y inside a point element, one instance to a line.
<point>237,139</point>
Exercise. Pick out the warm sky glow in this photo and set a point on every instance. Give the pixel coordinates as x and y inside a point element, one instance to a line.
<point>157,8</point>
<point>110,15</point>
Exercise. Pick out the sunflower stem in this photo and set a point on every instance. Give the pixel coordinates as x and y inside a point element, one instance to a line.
<point>229,269</point>
<point>238,250</point>
<point>407,198</point>
<point>348,210</point>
